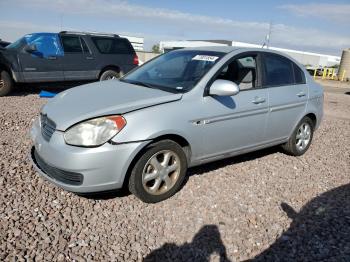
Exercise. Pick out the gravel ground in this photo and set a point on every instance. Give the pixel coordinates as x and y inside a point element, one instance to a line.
<point>262,206</point>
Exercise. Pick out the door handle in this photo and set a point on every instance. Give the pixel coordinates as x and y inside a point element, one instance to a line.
<point>52,57</point>
<point>258,100</point>
<point>301,94</point>
<point>89,58</point>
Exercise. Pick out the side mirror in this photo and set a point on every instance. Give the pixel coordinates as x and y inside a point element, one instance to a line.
<point>223,88</point>
<point>30,48</point>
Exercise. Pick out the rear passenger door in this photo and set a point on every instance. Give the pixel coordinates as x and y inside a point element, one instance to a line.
<point>288,94</point>
<point>78,61</point>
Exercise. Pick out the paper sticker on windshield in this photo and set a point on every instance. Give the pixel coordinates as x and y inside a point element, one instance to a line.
<point>208,58</point>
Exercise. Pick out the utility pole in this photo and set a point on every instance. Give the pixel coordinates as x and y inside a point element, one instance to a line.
<point>268,36</point>
<point>61,21</point>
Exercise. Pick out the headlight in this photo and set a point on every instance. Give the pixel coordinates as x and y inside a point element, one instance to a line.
<point>94,132</point>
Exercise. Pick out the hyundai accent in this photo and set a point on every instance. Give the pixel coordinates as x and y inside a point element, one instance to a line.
<point>182,109</point>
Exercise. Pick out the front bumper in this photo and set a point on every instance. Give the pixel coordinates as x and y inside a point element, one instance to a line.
<point>102,168</point>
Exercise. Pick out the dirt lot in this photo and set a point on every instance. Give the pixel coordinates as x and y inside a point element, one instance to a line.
<point>264,205</point>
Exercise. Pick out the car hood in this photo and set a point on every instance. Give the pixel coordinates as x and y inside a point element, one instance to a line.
<point>100,99</point>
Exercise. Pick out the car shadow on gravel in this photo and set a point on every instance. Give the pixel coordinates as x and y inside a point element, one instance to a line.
<point>199,170</point>
<point>205,243</point>
<point>319,232</point>
<point>106,195</point>
<point>203,169</point>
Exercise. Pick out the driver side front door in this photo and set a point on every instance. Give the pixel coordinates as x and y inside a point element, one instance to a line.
<point>235,124</point>
<point>44,64</point>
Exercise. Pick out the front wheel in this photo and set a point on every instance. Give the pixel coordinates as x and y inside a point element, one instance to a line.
<point>301,138</point>
<point>6,83</point>
<point>159,172</point>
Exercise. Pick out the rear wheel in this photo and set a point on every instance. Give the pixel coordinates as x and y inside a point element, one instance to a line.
<point>110,74</point>
<point>6,83</point>
<point>301,138</point>
<point>159,172</point>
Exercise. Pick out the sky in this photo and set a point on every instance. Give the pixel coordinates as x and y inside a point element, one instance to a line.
<point>315,26</point>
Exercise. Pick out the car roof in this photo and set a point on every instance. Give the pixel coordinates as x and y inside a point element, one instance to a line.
<point>223,49</point>
<point>88,33</point>
<point>229,49</point>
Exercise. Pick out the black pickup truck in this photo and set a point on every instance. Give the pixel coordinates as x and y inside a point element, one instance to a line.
<point>64,56</point>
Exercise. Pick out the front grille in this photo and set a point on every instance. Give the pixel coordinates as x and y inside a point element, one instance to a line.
<point>66,177</point>
<point>47,127</point>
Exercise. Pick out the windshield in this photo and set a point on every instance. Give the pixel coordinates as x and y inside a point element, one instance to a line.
<point>176,71</point>
<point>16,44</point>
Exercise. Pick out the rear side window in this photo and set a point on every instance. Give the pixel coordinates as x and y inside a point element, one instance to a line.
<point>278,71</point>
<point>71,44</point>
<point>112,45</point>
<point>299,75</point>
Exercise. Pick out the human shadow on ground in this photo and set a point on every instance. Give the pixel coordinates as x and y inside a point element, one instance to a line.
<point>319,232</point>
<point>204,244</point>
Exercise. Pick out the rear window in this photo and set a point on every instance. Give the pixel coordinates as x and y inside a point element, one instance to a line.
<point>112,45</point>
<point>71,44</point>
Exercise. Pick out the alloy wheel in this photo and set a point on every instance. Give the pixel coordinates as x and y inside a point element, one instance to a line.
<point>111,77</point>
<point>161,172</point>
<point>303,136</point>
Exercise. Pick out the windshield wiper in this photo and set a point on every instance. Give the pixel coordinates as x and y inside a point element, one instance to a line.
<point>134,82</point>
<point>153,86</point>
<point>140,83</point>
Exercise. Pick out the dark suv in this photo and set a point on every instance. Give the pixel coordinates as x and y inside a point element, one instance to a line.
<point>4,43</point>
<point>64,56</point>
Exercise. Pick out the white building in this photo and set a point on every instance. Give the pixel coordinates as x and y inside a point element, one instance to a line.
<point>313,60</point>
<point>136,42</point>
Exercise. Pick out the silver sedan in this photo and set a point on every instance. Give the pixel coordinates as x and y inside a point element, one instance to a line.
<point>182,109</point>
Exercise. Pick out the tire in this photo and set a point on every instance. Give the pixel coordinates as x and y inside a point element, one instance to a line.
<point>303,132</point>
<point>6,83</point>
<point>161,183</point>
<point>110,74</point>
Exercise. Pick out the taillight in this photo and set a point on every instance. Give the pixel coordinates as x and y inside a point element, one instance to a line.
<point>136,60</point>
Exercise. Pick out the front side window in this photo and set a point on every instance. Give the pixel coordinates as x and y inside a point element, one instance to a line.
<point>108,45</point>
<point>71,44</point>
<point>278,71</point>
<point>175,71</point>
<point>46,44</point>
<point>241,71</point>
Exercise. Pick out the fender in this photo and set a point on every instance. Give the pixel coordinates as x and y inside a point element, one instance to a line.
<point>305,114</point>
